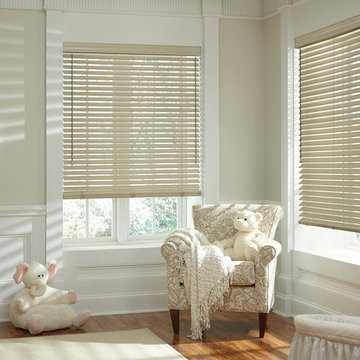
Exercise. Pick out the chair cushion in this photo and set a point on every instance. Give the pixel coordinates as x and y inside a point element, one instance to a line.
<point>216,221</point>
<point>244,273</point>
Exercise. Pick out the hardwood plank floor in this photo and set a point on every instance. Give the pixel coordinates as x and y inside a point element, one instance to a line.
<point>231,336</point>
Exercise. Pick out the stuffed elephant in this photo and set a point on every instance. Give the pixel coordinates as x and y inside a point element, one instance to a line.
<point>38,307</point>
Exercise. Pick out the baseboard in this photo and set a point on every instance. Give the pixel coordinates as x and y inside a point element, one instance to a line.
<point>283,304</point>
<point>292,305</point>
<point>283,284</point>
<point>114,304</point>
<point>4,310</point>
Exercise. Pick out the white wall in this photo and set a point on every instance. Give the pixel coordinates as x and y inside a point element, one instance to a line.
<point>22,115</point>
<point>250,117</point>
<point>122,29</point>
<point>241,110</point>
<point>316,14</point>
<point>22,144</point>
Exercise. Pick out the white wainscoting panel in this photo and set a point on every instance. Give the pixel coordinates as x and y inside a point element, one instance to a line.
<point>115,280</point>
<point>22,239</point>
<point>323,285</point>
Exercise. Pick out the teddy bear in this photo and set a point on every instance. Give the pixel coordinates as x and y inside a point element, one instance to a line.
<point>37,307</point>
<point>245,244</point>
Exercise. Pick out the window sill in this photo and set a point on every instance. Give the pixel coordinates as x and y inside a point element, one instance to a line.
<point>112,246</point>
<point>349,255</point>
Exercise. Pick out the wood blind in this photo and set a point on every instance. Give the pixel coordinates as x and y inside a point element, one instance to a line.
<point>330,132</point>
<point>131,121</point>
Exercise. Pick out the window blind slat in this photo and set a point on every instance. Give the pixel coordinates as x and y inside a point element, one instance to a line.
<point>329,176</point>
<point>131,122</point>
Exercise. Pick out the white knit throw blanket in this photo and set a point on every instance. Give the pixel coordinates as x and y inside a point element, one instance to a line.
<point>207,280</point>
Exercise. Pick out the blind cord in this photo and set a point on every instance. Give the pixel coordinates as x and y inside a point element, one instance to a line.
<point>195,105</point>
<point>72,109</point>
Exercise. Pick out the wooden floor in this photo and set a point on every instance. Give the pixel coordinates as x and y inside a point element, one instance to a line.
<point>231,336</point>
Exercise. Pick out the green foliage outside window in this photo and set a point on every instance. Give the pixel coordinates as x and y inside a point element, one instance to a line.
<point>152,216</point>
<point>99,213</point>
<point>92,218</point>
<point>74,217</point>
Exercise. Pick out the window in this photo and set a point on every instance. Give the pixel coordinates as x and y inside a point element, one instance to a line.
<point>132,132</point>
<point>152,216</point>
<point>121,220</point>
<point>88,219</point>
<point>330,127</point>
<point>131,122</point>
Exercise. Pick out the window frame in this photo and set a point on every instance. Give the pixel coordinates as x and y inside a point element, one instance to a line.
<point>310,237</point>
<point>95,240</point>
<point>121,222</point>
<point>125,223</point>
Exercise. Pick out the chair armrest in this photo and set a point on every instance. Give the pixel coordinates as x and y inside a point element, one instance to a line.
<point>268,252</point>
<point>170,250</point>
<point>180,241</point>
<point>265,269</point>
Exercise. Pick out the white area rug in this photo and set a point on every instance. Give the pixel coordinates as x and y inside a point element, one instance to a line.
<point>120,345</point>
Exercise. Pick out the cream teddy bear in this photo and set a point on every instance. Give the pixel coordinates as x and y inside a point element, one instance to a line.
<point>38,307</point>
<point>245,244</point>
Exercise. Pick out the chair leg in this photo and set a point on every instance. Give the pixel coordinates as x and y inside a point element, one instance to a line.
<point>174,314</point>
<point>262,324</point>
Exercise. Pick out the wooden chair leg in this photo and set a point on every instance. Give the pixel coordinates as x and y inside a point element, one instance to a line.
<point>262,324</point>
<point>174,314</point>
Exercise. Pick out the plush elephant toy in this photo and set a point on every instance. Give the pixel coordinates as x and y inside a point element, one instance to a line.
<point>38,307</point>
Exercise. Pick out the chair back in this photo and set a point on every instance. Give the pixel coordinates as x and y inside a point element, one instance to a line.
<point>216,221</point>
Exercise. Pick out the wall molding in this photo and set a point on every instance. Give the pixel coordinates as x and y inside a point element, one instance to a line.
<point>303,306</point>
<point>293,305</point>
<point>4,309</point>
<point>25,223</point>
<point>283,304</point>
<point>283,284</point>
<point>113,303</point>
<point>159,266</point>
<point>22,211</point>
<point>220,8</point>
<point>326,277</point>
<point>318,285</point>
<point>26,240</point>
<point>123,303</point>
<point>22,239</point>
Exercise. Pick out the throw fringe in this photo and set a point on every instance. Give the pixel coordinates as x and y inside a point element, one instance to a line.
<point>208,278</point>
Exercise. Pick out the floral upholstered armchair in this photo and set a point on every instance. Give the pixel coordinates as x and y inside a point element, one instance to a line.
<point>252,285</point>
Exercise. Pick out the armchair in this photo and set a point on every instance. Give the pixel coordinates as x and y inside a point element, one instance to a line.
<point>252,286</point>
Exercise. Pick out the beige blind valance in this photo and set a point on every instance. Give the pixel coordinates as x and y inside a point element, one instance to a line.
<point>131,121</point>
<point>328,32</point>
<point>330,132</point>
